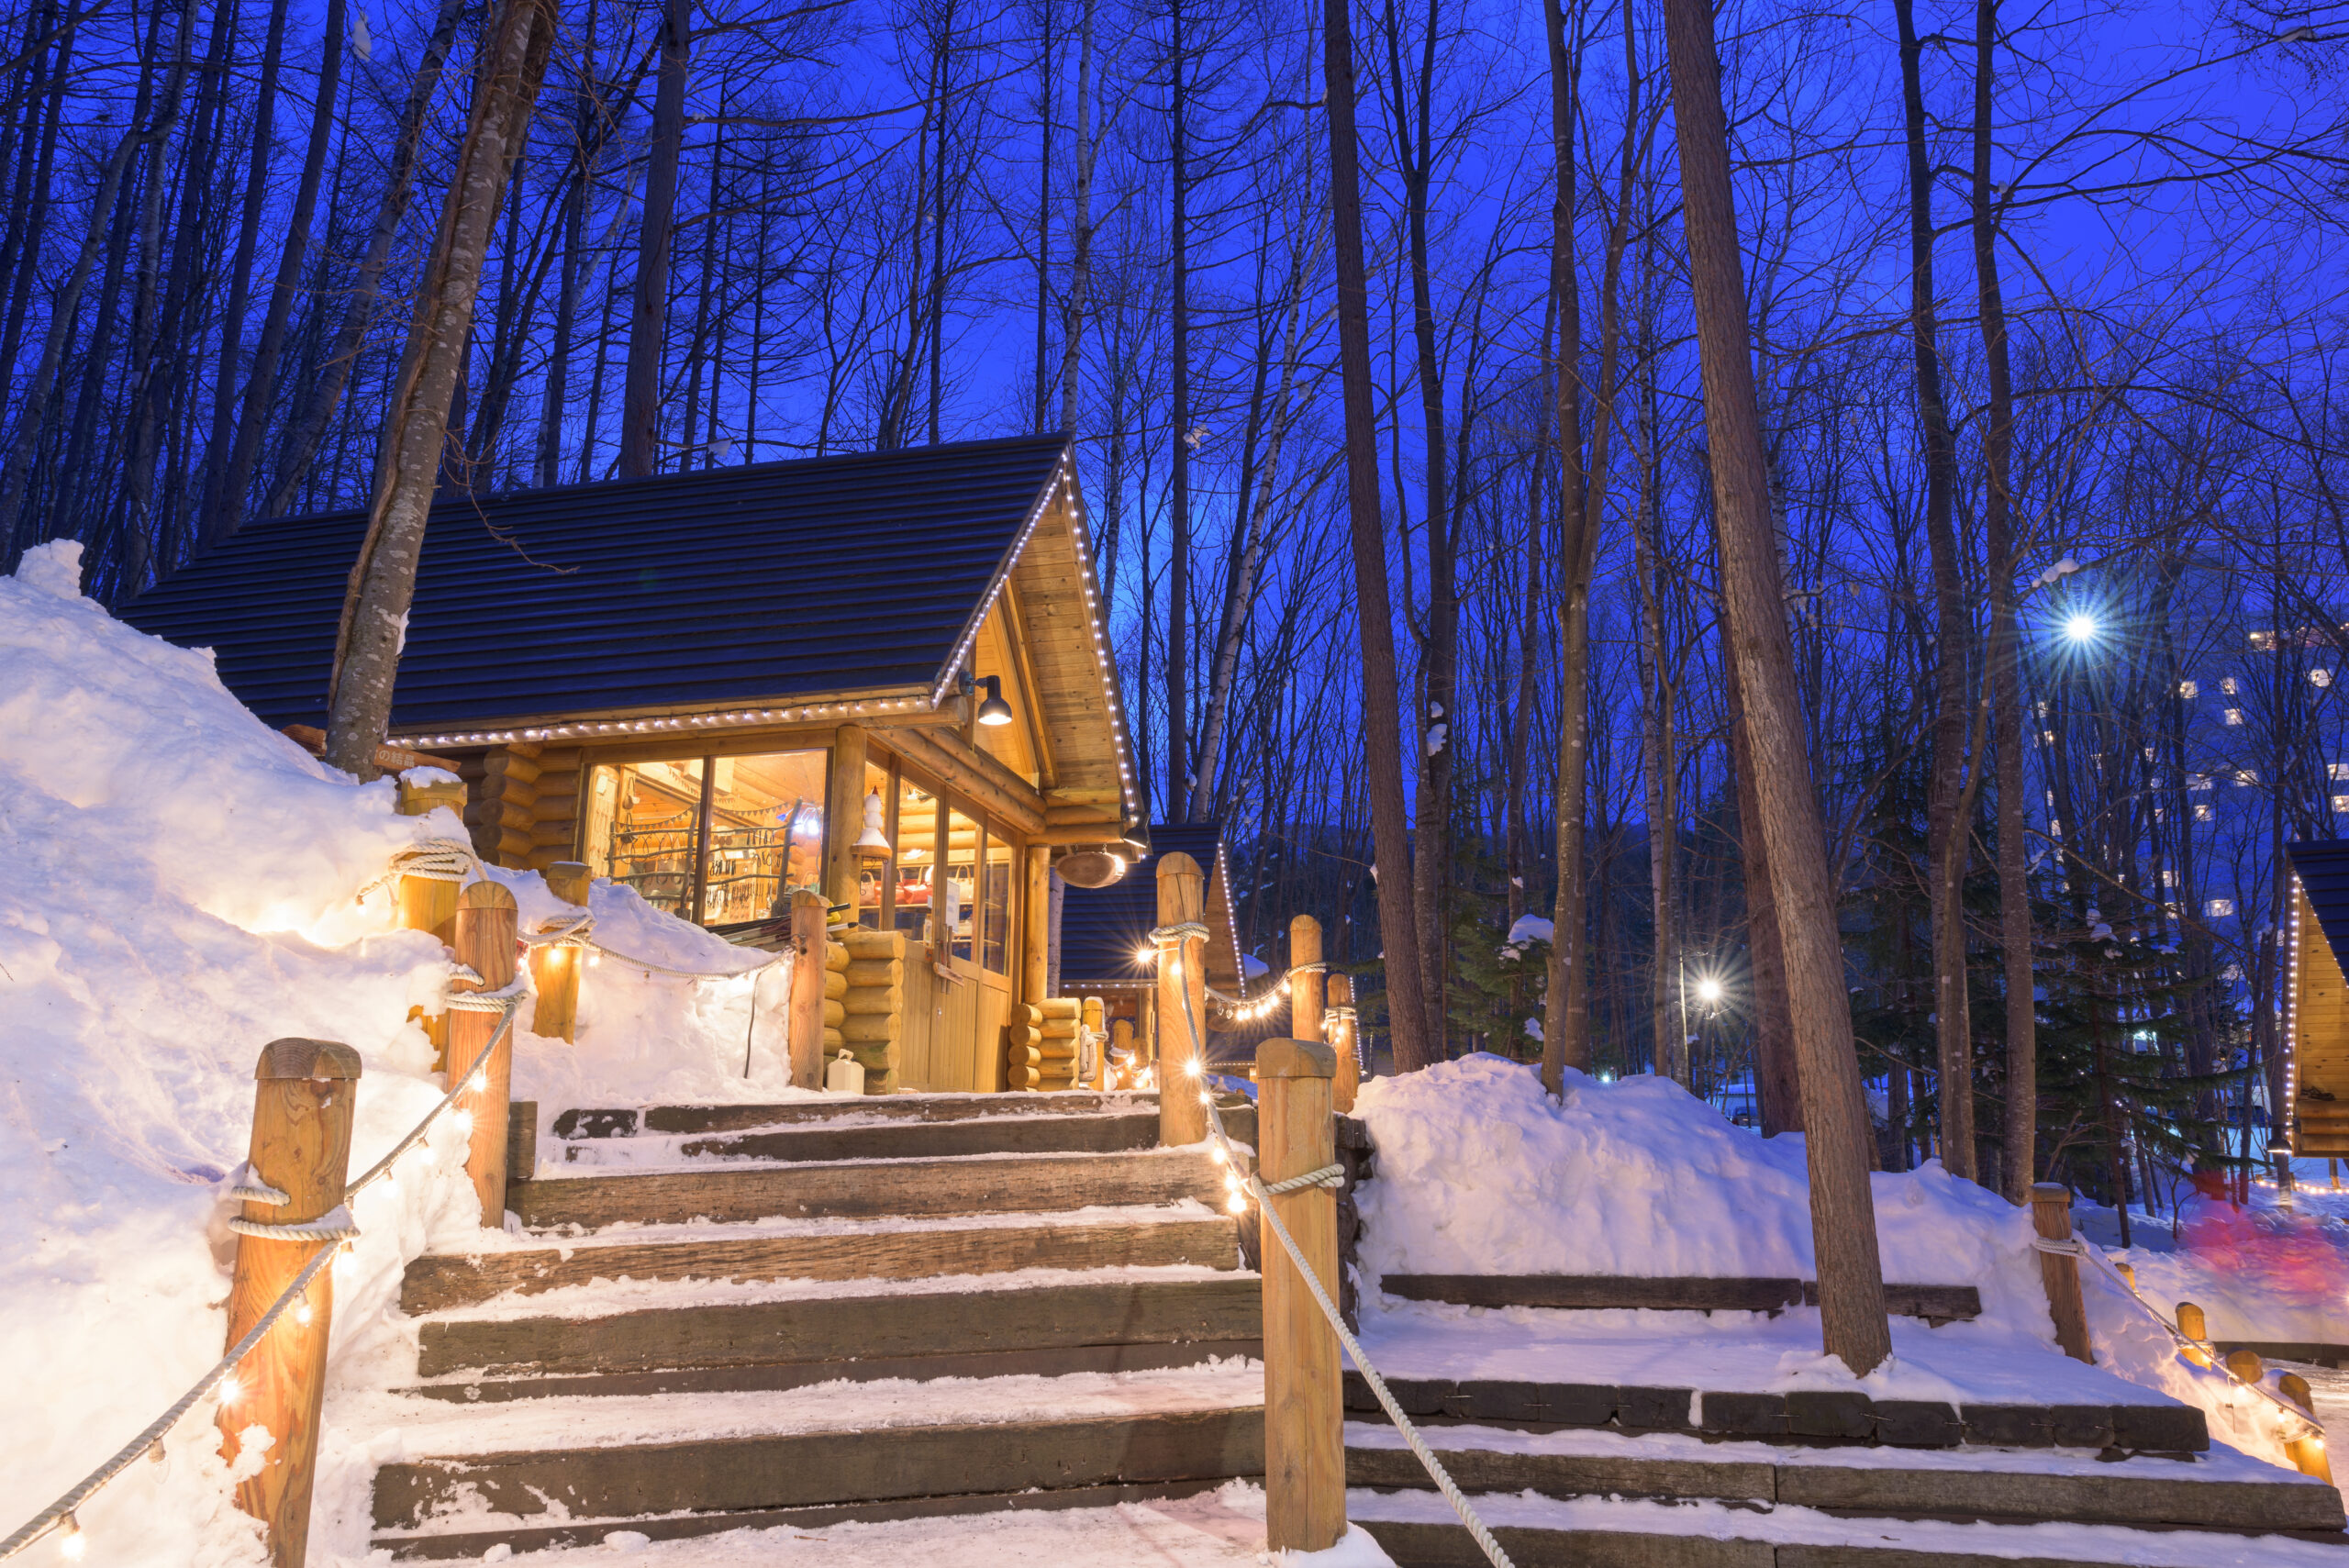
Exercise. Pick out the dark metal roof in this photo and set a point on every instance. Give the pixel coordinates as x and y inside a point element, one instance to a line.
<point>762,582</point>
<point>2323,870</point>
<point>1105,929</point>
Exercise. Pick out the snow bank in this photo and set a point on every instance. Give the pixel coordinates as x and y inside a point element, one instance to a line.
<point>180,890</point>
<point>1479,1171</point>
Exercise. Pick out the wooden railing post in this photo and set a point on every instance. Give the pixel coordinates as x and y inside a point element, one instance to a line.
<point>303,1097</point>
<point>1181,1114</point>
<point>1305,1469</point>
<point>425,902</point>
<point>2306,1453</point>
<point>554,969</point>
<point>1345,1030</point>
<point>2051,1214</point>
<point>1305,978</point>
<point>2195,1327</point>
<point>805,1028</point>
<point>486,933</point>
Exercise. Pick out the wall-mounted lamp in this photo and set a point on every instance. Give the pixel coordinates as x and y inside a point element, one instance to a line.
<point>994,710</point>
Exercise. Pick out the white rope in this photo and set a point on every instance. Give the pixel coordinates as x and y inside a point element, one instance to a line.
<point>335,1225</point>
<point>1330,1176</point>
<point>2078,1248</point>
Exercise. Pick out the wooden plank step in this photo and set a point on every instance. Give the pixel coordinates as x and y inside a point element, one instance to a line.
<point>841,1328</point>
<point>1934,1303</point>
<point>1035,1134</point>
<point>1801,1416</point>
<point>436,1283</point>
<point>806,1469</point>
<point>2107,1496</point>
<point>1887,1543</point>
<point>628,1122</point>
<point>1041,1184</point>
<point>1061,1362</point>
<point>472,1544</point>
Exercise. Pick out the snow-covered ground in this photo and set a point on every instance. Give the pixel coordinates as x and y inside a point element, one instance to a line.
<point>2275,1270</point>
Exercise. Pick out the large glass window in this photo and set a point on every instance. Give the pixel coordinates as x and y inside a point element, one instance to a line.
<point>718,839</point>
<point>995,906</point>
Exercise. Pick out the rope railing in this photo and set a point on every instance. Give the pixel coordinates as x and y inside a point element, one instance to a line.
<point>1170,940</point>
<point>2078,1248</point>
<point>335,1229</point>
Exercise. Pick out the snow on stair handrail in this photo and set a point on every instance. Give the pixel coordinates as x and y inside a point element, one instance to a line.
<point>337,1233</point>
<point>1169,940</point>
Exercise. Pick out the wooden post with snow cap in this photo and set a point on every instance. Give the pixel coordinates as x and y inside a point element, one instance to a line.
<point>486,933</point>
<point>1181,990</point>
<point>804,1029</point>
<point>2051,1216</point>
<point>1304,1461</point>
<point>303,1095</point>
<point>1305,978</point>
<point>2306,1454</point>
<point>428,903</point>
<point>1344,1031</point>
<point>554,969</point>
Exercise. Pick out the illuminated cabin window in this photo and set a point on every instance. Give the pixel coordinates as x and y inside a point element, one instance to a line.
<point>720,840</point>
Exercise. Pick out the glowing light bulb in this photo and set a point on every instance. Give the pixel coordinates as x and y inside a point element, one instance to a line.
<point>1708,990</point>
<point>1218,1155</point>
<point>478,1083</point>
<point>1205,1098</point>
<point>231,1390</point>
<point>2080,629</point>
<point>303,1315</point>
<point>1194,1068</point>
<point>1237,1203</point>
<point>69,1539</point>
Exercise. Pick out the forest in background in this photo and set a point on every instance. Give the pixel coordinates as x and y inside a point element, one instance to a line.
<point>2044,312</point>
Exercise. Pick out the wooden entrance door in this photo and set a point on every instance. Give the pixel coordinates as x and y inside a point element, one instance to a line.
<point>958,877</point>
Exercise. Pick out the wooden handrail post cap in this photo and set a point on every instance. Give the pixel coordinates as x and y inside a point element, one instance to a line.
<point>1305,1466</point>
<point>303,1100</point>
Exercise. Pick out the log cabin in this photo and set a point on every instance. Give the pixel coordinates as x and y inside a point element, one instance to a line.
<point>886,677</point>
<point>2316,1001</point>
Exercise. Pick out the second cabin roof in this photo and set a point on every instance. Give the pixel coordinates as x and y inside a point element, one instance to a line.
<point>744,584</point>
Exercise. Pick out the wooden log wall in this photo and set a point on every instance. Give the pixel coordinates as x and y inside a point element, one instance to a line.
<point>873,1004</point>
<point>1041,1043</point>
<point>522,804</point>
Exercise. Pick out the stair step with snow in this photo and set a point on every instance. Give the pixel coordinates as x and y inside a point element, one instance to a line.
<point>915,1108</point>
<point>1798,1417</point>
<point>1418,1530</point>
<point>1937,1303</point>
<point>444,1546</point>
<point>874,1249</point>
<point>913,1322</point>
<point>875,1189</point>
<point>2228,1492</point>
<point>1035,1134</point>
<point>981,1463</point>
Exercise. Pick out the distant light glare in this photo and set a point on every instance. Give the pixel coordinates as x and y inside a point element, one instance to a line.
<point>1708,990</point>
<point>2080,629</point>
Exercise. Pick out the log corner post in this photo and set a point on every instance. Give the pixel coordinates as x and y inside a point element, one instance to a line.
<point>1305,978</point>
<point>805,1044</point>
<point>1305,1474</point>
<point>2051,1216</point>
<point>1345,1032</point>
<point>487,933</point>
<point>303,1096</point>
<point>1182,1076</point>
<point>555,968</point>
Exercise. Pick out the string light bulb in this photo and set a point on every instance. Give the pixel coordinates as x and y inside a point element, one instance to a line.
<point>1237,1203</point>
<point>69,1539</point>
<point>231,1390</point>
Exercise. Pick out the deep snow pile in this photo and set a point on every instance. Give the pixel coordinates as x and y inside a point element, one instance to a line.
<point>179,891</point>
<point>1479,1171</point>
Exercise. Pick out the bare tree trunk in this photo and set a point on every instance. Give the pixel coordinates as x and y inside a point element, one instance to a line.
<point>16,472</point>
<point>2005,656</point>
<point>29,213</point>
<point>262,385</point>
<point>1373,607</point>
<point>219,519</point>
<point>648,328</point>
<point>1835,1117</point>
<point>555,389</point>
<point>306,431</point>
<point>407,470</point>
<point>1776,1069</point>
<point>1080,275</point>
<point>1178,568</point>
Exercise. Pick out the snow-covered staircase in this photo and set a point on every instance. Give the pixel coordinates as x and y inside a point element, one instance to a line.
<point>1645,1479</point>
<point>758,1316</point>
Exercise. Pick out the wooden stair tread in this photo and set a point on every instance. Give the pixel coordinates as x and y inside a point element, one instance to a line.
<point>2157,1493</point>
<point>807,1468</point>
<point>1940,1303</point>
<point>841,1328</point>
<point>1032,1133</point>
<point>967,1185</point>
<point>624,1122</point>
<point>436,1282</point>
